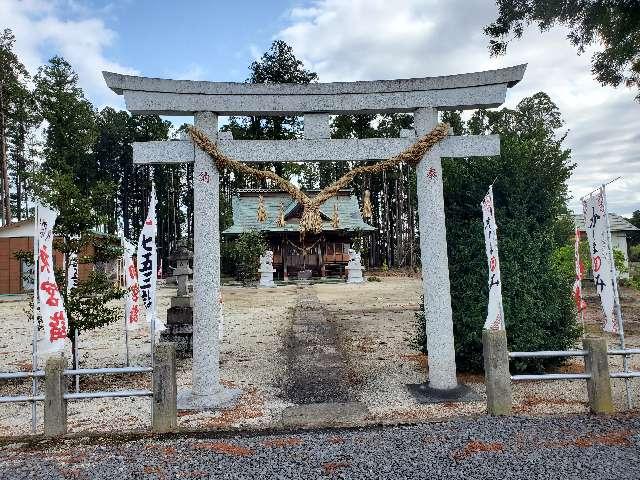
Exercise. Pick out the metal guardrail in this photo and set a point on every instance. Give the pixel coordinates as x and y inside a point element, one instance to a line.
<point>109,394</point>
<point>78,395</point>
<point>551,376</point>
<point>107,371</point>
<point>22,398</point>
<point>570,353</point>
<point>14,375</point>
<point>549,353</point>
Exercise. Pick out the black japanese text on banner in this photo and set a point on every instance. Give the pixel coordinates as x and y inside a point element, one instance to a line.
<point>148,264</point>
<point>595,220</point>
<point>495,315</point>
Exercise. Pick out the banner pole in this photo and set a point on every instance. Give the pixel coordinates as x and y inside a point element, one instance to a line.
<point>124,273</point>
<point>616,297</point>
<point>34,339</point>
<point>76,353</point>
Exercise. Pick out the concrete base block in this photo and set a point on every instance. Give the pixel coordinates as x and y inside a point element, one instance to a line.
<point>597,365</point>
<point>224,398</point>
<point>318,415</point>
<point>423,393</point>
<point>496,372</point>
<point>55,406</point>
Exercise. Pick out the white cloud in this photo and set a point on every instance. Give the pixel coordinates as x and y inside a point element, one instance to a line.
<point>376,39</point>
<point>41,30</point>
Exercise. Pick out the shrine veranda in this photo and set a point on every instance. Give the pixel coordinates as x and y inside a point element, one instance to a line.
<point>316,102</point>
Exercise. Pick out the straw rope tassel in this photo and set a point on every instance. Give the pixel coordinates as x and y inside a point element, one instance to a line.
<point>311,220</point>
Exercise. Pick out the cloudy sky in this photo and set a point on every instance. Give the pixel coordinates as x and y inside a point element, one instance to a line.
<point>340,40</point>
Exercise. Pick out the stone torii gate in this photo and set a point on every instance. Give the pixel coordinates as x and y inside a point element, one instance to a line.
<point>423,97</point>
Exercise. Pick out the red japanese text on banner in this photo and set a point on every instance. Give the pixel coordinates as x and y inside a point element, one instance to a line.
<point>148,265</point>
<point>595,221</point>
<point>579,268</point>
<point>495,314</point>
<point>132,288</point>
<point>54,317</point>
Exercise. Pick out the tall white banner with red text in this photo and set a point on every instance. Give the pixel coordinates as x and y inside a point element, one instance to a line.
<point>495,314</point>
<point>54,317</point>
<point>577,284</point>
<point>132,288</point>
<point>148,264</point>
<point>595,221</point>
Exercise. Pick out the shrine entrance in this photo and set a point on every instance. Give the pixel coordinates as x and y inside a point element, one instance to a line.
<point>316,102</point>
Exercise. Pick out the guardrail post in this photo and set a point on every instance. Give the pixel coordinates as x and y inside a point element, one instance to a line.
<point>55,406</point>
<point>596,363</point>
<point>165,413</point>
<point>496,372</point>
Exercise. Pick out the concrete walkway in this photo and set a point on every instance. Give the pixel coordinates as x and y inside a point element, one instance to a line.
<point>316,374</point>
<point>518,448</point>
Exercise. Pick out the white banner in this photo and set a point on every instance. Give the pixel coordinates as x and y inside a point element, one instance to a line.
<point>495,314</point>
<point>595,221</point>
<point>54,317</point>
<point>132,295</point>
<point>148,264</point>
<point>577,284</point>
<point>72,273</point>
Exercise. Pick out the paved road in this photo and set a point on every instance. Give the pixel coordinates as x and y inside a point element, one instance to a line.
<point>571,447</point>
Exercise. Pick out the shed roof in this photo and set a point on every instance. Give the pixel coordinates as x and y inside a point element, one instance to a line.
<point>618,223</point>
<point>245,206</point>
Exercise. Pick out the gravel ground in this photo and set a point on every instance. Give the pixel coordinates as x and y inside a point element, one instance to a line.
<point>571,447</point>
<point>374,327</point>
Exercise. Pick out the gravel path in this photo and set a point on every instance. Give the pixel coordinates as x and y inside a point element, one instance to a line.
<point>569,447</point>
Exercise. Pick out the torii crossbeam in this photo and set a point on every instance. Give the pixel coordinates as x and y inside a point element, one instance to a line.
<point>423,97</point>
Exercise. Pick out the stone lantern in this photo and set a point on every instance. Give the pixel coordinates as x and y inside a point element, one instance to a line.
<point>180,315</point>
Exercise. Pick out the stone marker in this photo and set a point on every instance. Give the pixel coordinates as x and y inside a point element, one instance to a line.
<point>55,406</point>
<point>165,414</point>
<point>266,270</point>
<point>354,268</point>
<point>596,363</point>
<point>496,372</point>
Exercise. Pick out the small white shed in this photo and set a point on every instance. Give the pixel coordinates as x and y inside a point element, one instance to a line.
<point>620,230</point>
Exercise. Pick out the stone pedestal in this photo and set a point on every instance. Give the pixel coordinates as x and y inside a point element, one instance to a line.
<point>266,270</point>
<point>180,328</point>
<point>354,268</point>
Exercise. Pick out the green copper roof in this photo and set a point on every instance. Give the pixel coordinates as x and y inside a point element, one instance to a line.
<point>245,207</point>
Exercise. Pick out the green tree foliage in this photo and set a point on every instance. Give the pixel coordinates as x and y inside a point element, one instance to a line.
<point>16,118</point>
<point>71,123</point>
<point>530,193</point>
<point>246,252</point>
<point>612,25</point>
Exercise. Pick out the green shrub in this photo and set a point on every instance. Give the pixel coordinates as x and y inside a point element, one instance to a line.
<point>246,251</point>
<point>530,193</point>
<point>374,279</point>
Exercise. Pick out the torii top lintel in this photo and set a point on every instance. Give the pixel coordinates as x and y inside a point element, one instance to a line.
<point>146,95</point>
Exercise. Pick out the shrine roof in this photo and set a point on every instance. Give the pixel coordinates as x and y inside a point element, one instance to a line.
<point>618,223</point>
<point>245,207</point>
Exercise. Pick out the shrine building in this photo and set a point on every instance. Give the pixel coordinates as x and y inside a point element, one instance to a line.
<point>320,255</point>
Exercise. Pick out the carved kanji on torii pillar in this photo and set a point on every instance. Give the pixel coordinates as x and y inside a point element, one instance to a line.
<point>423,97</point>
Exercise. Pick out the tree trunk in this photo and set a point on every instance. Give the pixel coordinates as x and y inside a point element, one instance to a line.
<point>6,203</point>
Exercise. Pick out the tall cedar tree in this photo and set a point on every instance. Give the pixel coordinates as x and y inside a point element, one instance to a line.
<point>13,99</point>
<point>612,25</point>
<point>68,181</point>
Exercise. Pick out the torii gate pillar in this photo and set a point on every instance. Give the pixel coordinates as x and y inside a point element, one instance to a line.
<point>207,392</point>
<point>435,264</point>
